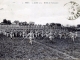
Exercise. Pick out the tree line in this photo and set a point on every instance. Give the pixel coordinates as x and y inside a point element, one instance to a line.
<point>6,22</point>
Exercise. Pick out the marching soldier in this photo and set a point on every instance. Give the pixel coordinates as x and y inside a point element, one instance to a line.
<point>11,35</point>
<point>23,34</point>
<point>31,37</point>
<point>50,35</point>
<point>20,34</point>
<point>36,34</point>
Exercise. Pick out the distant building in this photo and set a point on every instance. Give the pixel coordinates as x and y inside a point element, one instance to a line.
<point>24,26</point>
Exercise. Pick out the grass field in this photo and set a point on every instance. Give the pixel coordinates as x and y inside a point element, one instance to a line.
<point>20,49</point>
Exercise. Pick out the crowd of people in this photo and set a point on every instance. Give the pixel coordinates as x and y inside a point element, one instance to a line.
<point>48,34</point>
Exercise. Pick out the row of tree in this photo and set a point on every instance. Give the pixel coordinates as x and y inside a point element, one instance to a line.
<point>6,22</point>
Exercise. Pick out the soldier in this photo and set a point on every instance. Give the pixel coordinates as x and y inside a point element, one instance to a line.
<point>76,35</point>
<point>36,34</point>
<point>23,34</point>
<point>11,35</point>
<point>60,35</point>
<point>31,37</point>
<point>7,34</point>
<point>42,34</point>
<point>72,35</point>
<point>46,34</point>
<point>16,34</point>
<point>20,33</point>
<point>51,35</point>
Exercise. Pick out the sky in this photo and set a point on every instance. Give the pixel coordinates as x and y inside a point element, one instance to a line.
<point>38,11</point>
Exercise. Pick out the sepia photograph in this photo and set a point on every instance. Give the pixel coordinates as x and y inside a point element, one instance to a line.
<point>39,29</point>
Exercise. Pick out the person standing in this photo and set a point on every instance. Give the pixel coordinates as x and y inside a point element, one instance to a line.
<point>31,37</point>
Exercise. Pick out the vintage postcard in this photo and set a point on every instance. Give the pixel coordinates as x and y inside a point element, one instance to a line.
<point>39,29</point>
